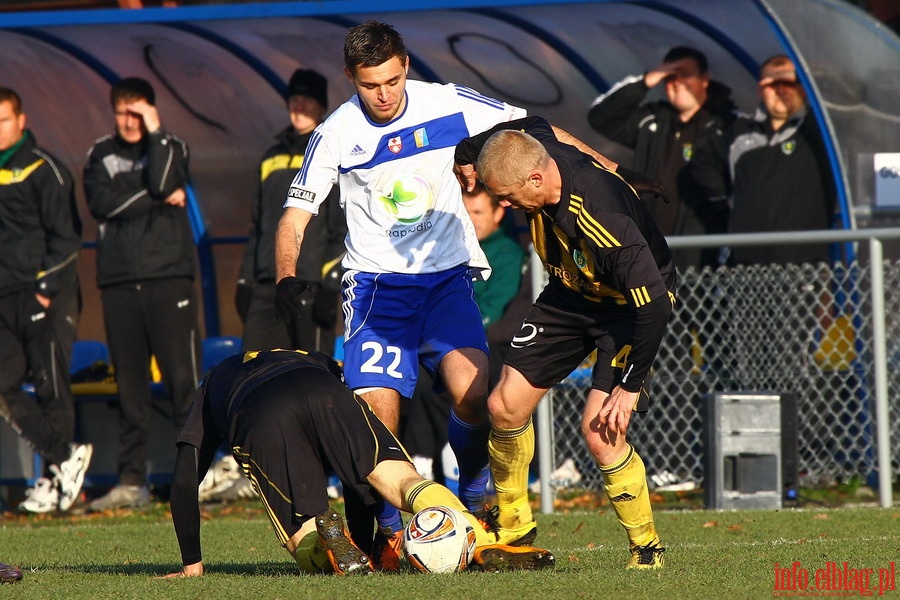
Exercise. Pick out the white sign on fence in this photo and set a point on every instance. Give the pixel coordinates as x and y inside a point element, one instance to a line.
<point>887,180</point>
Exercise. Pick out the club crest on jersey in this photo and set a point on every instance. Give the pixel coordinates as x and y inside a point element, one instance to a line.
<point>580,260</point>
<point>395,145</point>
<point>788,147</point>
<point>687,151</point>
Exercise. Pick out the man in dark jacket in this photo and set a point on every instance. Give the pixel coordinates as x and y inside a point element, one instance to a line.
<point>40,236</point>
<point>314,329</point>
<point>663,135</point>
<point>774,169</point>
<point>134,184</point>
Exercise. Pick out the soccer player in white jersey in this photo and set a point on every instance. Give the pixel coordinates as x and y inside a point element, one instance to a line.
<point>411,248</point>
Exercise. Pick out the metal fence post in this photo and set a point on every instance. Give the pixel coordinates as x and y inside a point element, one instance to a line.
<point>882,412</point>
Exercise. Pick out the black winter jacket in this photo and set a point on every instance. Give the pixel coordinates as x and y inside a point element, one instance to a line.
<point>40,231</point>
<point>141,238</point>
<point>776,181</point>
<point>323,242</point>
<point>646,128</point>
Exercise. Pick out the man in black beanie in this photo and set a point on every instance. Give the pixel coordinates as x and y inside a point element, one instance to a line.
<point>306,98</point>
<point>307,101</point>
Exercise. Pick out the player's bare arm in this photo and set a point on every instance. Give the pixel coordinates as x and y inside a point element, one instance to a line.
<point>567,138</point>
<point>288,240</point>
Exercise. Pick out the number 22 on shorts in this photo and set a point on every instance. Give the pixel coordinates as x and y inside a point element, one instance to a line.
<point>380,355</point>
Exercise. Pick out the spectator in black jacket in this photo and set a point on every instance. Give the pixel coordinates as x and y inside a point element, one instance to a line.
<point>774,169</point>
<point>316,328</point>
<point>134,183</point>
<point>40,237</point>
<point>663,135</point>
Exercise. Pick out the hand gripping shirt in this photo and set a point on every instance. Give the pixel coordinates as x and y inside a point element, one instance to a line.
<point>402,201</point>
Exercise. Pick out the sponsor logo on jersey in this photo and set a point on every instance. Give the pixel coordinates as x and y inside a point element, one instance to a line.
<point>305,195</point>
<point>407,198</point>
<point>788,147</point>
<point>580,260</point>
<point>357,150</point>
<point>395,144</point>
<point>687,152</point>
<point>421,137</point>
<point>402,233</point>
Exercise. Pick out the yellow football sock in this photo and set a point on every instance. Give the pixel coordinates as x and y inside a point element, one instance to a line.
<point>310,556</point>
<point>511,451</point>
<point>428,493</point>
<point>626,487</point>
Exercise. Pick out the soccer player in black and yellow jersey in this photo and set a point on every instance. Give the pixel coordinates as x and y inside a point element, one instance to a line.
<point>288,418</point>
<point>611,289</point>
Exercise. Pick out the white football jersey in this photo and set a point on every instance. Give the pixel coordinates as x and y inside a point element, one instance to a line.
<point>402,201</point>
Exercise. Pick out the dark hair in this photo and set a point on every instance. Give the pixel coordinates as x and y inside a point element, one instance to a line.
<point>680,52</point>
<point>372,44</point>
<point>778,60</point>
<point>10,95</point>
<point>132,88</point>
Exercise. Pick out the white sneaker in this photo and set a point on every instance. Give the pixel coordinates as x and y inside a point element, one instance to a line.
<point>122,496</point>
<point>42,498</point>
<point>221,475</point>
<point>565,475</point>
<point>70,473</point>
<point>424,466</point>
<point>239,489</point>
<point>666,481</point>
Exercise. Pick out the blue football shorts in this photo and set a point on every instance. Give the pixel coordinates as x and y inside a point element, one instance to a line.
<point>395,321</point>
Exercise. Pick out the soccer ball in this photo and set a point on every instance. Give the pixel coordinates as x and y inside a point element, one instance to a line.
<point>439,539</point>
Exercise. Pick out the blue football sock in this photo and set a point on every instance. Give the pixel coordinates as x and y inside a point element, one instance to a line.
<point>388,516</point>
<point>469,444</point>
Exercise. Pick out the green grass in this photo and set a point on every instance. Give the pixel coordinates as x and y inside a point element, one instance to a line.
<point>709,555</point>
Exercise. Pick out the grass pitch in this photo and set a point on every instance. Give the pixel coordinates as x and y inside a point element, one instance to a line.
<point>709,555</point>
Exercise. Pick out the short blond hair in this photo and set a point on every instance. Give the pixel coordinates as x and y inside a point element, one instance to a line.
<point>509,156</point>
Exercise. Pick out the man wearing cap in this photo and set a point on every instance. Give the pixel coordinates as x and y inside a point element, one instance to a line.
<point>774,169</point>
<point>134,184</point>
<point>314,329</point>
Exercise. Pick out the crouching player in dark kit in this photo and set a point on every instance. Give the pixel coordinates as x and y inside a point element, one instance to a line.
<point>289,419</point>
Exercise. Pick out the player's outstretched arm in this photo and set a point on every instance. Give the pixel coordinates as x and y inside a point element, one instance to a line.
<point>186,511</point>
<point>567,138</point>
<point>288,240</point>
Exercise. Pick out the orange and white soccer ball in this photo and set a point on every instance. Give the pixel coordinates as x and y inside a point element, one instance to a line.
<point>439,539</point>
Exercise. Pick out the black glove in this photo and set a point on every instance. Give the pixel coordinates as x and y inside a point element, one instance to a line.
<point>324,313</point>
<point>292,298</point>
<point>644,183</point>
<point>243,294</point>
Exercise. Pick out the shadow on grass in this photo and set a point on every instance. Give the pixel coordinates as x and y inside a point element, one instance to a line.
<point>264,569</point>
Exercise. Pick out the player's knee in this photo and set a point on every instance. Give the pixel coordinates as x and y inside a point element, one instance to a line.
<point>504,413</point>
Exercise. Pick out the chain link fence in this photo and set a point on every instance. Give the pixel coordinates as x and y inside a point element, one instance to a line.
<point>805,329</point>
